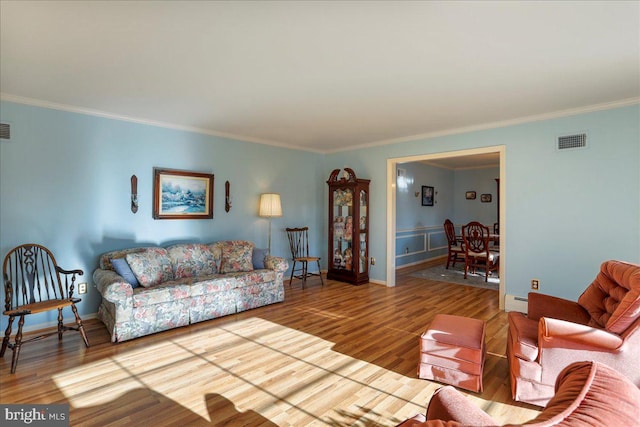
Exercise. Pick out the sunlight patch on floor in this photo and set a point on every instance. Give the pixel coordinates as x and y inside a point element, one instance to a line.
<point>259,366</point>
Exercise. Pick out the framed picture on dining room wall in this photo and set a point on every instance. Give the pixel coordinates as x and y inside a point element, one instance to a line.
<point>470,195</point>
<point>427,195</point>
<point>485,198</point>
<point>179,194</point>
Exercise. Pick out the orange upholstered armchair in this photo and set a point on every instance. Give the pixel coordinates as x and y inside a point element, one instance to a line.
<point>587,394</point>
<point>604,326</point>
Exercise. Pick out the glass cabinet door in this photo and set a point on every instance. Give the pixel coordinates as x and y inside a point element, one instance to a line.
<point>364,228</point>
<point>343,229</point>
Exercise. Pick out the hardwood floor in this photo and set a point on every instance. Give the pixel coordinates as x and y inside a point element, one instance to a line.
<point>338,355</point>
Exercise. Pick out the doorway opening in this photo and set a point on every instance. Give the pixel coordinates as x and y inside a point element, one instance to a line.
<point>392,166</point>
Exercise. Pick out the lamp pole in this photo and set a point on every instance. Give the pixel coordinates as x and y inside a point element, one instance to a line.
<point>270,235</point>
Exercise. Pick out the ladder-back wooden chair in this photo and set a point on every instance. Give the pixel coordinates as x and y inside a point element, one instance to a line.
<point>33,284</point>
<point>455,244</point>
<point>477,252</point>
<point>299,244</point>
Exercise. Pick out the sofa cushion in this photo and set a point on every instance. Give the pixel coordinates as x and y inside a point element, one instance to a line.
<point>212,284</point>
<point>255,277</point>
<point>613,299</point>
<point>258,258</point>
<point>107,257</point>
<point>216,250</point>
<point>151,267</point>
<point>121,267</point>
<point>161,294</point>
<point>236,256</point>
<point>276,263</point>
<point>191,260</point>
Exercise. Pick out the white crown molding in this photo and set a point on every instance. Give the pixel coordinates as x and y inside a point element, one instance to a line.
<point>97,113</point>
<point>500,124</point>
<point>493,125</point>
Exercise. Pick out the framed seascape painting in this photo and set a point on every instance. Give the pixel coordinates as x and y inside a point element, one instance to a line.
<point>182,194</point>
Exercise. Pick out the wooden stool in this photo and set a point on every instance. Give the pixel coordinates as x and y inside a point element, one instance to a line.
<point>452,351</point>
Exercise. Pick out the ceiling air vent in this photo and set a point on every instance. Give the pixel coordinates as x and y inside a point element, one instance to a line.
<point>572,142</point>
<point>5,131</point>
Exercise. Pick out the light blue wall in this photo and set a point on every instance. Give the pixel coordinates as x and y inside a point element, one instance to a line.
<point>65,183</point>
<point>482,181</point>
<point>409,210</point>
<point>566,211</point>
<point>419,232</point>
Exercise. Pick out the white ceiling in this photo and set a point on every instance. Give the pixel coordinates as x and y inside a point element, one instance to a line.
<point>322,76</point>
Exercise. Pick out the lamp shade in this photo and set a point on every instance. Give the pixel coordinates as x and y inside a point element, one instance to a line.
<point>270,205</point>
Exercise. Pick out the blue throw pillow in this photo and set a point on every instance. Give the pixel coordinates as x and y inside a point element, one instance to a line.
<point>258,258</point>
<point>121,267</point>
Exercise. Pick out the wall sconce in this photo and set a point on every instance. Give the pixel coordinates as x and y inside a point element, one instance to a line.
<point>134,193</point>
<point>270,206</point>
<point>227,196</point>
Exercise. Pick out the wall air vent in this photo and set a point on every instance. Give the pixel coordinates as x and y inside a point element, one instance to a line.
<point>572,142</point>
<point>5,131</point>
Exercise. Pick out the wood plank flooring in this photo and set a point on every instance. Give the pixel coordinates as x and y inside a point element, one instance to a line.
<point>338,355</point>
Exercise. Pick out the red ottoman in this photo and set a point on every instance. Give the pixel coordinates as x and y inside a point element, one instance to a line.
<point>452,351</point>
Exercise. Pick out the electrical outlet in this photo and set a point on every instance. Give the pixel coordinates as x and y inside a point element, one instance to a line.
<point>373,261</point>
<point>535,284</point>
<point>82,288</point>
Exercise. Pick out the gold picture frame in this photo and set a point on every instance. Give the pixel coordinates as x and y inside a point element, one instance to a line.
<point>179,194</point>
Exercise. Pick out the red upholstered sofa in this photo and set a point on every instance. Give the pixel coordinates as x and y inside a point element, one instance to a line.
<point>604,325</point>
<point>587,394</point>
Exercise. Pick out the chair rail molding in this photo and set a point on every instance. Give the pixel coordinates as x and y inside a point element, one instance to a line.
<point>419,244</point>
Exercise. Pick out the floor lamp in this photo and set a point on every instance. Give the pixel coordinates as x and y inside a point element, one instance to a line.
<point>269,207</point>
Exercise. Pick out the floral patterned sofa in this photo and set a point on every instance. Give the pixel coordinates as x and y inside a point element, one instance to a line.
<point>151,289</point>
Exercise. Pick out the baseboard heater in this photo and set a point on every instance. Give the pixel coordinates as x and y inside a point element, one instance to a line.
<point>515,303</point>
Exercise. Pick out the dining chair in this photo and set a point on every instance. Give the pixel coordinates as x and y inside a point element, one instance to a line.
<point>32,285</point>
<point>454,243</point>
<point>477,251</point>
<point>495,240</point>
<point>299,245</point>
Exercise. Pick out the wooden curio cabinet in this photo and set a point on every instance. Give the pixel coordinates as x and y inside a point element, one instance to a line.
<point>348,227</point>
